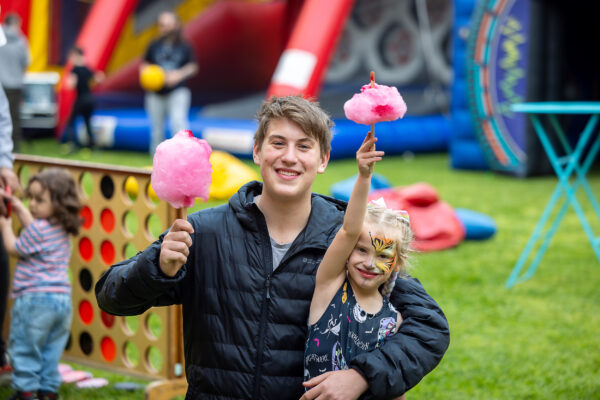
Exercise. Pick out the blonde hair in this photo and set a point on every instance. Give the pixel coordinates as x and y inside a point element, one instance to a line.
<point>395,226</point>
<point>306,114</point>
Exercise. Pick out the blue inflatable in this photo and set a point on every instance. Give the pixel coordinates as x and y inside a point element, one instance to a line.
<point>411,134</point>
<point>343,189</point>
<point>465,149</point>
<point>478,226</point>
<point>129,129</point>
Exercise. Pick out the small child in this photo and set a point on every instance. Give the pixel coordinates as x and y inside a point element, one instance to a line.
<point>350,312</point>
<point>41,313</point>
<point>79,79</point>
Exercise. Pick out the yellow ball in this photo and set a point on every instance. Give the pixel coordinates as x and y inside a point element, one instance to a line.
<point>131,187</point>
<point>152,77</point>
<point>152,195</point>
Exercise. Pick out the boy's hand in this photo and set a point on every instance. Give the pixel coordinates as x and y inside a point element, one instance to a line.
<point>343,385</point>
<point>174,249</point>
<point>366,157</point>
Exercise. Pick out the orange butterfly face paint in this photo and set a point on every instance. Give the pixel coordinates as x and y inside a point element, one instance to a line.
<point>385,253</point>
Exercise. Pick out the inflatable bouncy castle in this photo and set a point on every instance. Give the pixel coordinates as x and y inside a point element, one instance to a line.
<point>527,50</point>
<point>250,49</point>
<point>459,64</point>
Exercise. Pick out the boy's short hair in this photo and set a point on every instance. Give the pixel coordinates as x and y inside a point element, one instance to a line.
<point>313,121</point>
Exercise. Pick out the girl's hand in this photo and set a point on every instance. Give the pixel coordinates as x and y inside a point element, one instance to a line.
<point>4,221</point>
<point>5,199</point>
<point>366,157</point>
<point>15,202</point>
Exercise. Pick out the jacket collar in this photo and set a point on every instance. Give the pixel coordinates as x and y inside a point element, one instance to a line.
<point>325,218</point>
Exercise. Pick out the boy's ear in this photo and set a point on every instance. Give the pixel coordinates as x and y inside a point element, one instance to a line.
<point>255,156</point>
<point>324,162</point>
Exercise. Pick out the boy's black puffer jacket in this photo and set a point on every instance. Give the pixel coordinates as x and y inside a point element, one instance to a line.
<point>245,324</point>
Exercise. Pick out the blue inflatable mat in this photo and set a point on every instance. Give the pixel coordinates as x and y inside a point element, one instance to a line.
<point>478,226</point>
<point>343,189</point>
<point>129,129</point>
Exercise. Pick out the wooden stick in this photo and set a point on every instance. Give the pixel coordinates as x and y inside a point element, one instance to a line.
<point>174,387</point>
<point>181,213</point>
<point>372,132</point>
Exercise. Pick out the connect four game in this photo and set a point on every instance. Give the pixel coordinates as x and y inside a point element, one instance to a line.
<point>121,216</point>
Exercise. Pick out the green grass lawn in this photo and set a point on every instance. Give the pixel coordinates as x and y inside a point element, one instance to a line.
<point>538,340</point>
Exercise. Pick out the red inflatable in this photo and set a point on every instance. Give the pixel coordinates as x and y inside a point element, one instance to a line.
<point>434,222</point>
<point>97,38</point>
<point>302,65</point>
<point>237,45</point>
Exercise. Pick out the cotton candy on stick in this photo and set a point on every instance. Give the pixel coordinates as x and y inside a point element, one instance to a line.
<point>181,170</point>
<point>375,103</point>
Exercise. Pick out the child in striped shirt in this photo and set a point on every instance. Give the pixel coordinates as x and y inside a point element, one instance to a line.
<point>41,313</point>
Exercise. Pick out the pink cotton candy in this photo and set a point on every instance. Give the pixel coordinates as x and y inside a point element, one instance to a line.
<point>375,104</point>
<point>181,170</point>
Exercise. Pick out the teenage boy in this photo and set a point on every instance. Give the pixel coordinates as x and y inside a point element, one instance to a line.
<point>244,273</point>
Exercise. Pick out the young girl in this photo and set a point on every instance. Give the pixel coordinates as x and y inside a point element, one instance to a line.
<point>41,313</point>
<point>350,312</point>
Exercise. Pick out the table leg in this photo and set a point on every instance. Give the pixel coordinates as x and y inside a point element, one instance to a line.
<point>513,279</point>
<point>572,164</point>
<point>563,209</point>
<point>581,172</point>
<point>570,191</point>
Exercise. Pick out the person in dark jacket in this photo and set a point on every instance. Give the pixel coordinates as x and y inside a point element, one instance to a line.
<point>174,55</point>
<point>79,79</point>
<point>244,273</point>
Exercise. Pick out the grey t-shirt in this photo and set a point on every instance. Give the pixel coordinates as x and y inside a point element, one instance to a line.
<point>279,251</point>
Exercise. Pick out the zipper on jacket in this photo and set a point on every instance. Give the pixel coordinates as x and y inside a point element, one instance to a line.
<point>264,309</point>
<point>268,286</point>
<point>261,338</point>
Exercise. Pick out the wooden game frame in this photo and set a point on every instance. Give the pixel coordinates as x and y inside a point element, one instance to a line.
<point>97,339</point>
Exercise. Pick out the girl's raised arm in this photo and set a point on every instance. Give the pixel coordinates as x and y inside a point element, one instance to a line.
<point>331,272</point>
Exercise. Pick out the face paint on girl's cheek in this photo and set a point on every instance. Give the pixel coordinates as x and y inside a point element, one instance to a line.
<point>385,253</point>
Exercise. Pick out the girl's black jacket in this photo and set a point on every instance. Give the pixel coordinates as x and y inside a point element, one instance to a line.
<point>245,325</point>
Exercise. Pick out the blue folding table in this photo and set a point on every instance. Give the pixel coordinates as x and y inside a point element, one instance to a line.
<point>568,162</point>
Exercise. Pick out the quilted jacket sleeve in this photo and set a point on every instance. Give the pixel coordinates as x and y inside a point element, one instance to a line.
<point>135,285</point>
<point>414,351</point>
